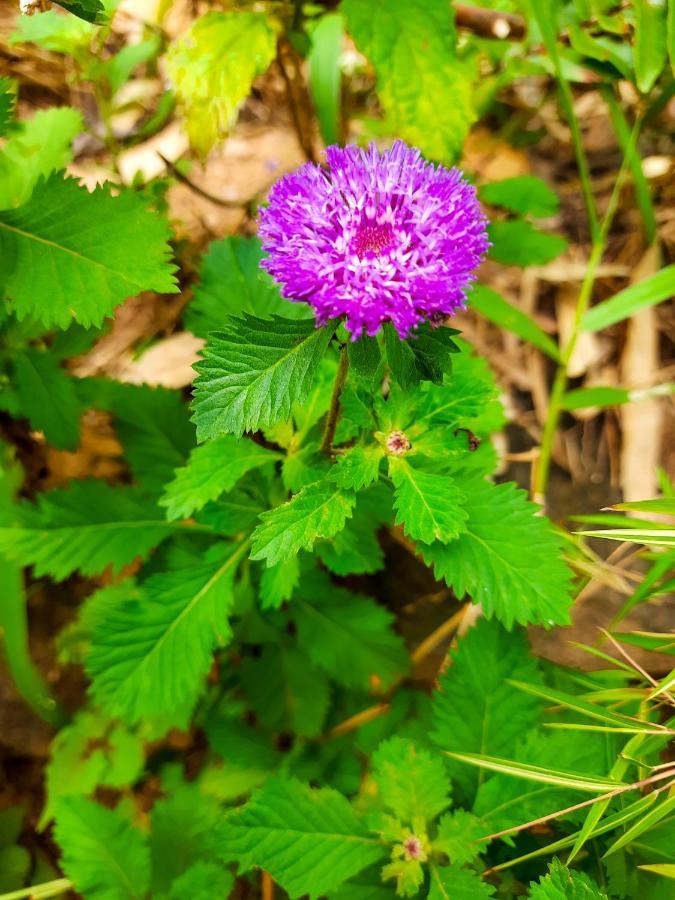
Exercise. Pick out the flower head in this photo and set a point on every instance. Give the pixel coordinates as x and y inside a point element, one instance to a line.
<point>375,237</point>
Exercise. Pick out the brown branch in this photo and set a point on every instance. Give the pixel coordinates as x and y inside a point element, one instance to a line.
<point>299,100</point>
<point>489,23</point>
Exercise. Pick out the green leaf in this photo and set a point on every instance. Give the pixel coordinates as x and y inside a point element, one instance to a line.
<point>325,74</point>
<point>565,884</point>
<point>318,511</point>
<point>355,550</point>
<point>310,841</point>
<point>508,558</point>
<point>212,469</point>
<point>253,371</point>
<point>112,248</point>
<point>412,45</point>
<point>649,48</point>
<point>358,467</point>
<point>365,356</point>
<point>53,31</point>
<point>453,883</point>
<point>348,635</point>
<point>424,356</point>
<point>278,582</point>
<point>7,103</point>
<point>523,194</point>
<point>85,527</point>
<point>90,752</point>
<point>459,834</point>
<point>474,709</point>
<point>430,507</point>
<point>518,243</point>
<point>40,147</point>
<point>152,425</point>
<point>231,282</point>
<point>489,304</point>
<point>152,655</point>
<point>202,881</point>
<point>553,777</point>
<point>286,691</point>
<point>648,292</point>
<point>670,33</point>
<point>410,782</point>
<point>103,855</point>
<point>132,660</point>
<point>662,505</point>
<point>89,10</point>
<point>213,66</point>
<point>504,801</point>
<point>247,757</point>
<point>665,869</point>
<point>657,813</point>
<point>47,397</point>
<point>180,827</point>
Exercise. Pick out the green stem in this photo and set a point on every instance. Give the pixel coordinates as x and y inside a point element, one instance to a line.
<point>583,301</point>
<point>39,891</point>
<point>642,192</point>
<point>334,408</point>
<point>14,635</point>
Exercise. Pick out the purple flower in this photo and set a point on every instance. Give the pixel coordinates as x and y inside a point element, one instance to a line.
<point>374,238</point>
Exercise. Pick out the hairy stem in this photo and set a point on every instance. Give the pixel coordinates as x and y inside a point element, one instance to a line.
<point>334,408</point>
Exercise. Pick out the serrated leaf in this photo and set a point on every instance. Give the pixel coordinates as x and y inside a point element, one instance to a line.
<point>213,469</point>
<point>430,507</point>
<point>318,511</point>
<point>357,467</point>
<point>364,354</point>
<point>151,656</point>
<point>180,827</point>
<point>286,691</point>
<point>278,582</point>
<point>459,835</point>
<point>67,254</point>
<point>454,883</point>
<point>213,66</point>
<point>85,527</point>
<point>103,855</point>
<point>565,884</point>
<point>48,397</point>
<point>425,356</point>
<point>253,371</point>
<point>348,635</point>
<point>202,881</point>
<point>508,558</point>
<point>474,710</point>
<point>523,194</point>
<point>411,783</point>
<point>91,751</point>
<point>232,282</point>
<point>40,147</point>
<point>518,243</point>
<point>356,549</point>
<point>310,841</point>
<point>411,44</point>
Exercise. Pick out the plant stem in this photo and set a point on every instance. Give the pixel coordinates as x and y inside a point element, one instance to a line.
<point>14,634</point>
<point>334,409</point>
<point>39,891</point>
<point>585,293</point>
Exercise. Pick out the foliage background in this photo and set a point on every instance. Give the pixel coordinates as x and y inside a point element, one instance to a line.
<point>201,144</point>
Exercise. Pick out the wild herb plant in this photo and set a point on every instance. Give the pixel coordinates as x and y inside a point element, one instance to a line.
<point>238,651</point>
